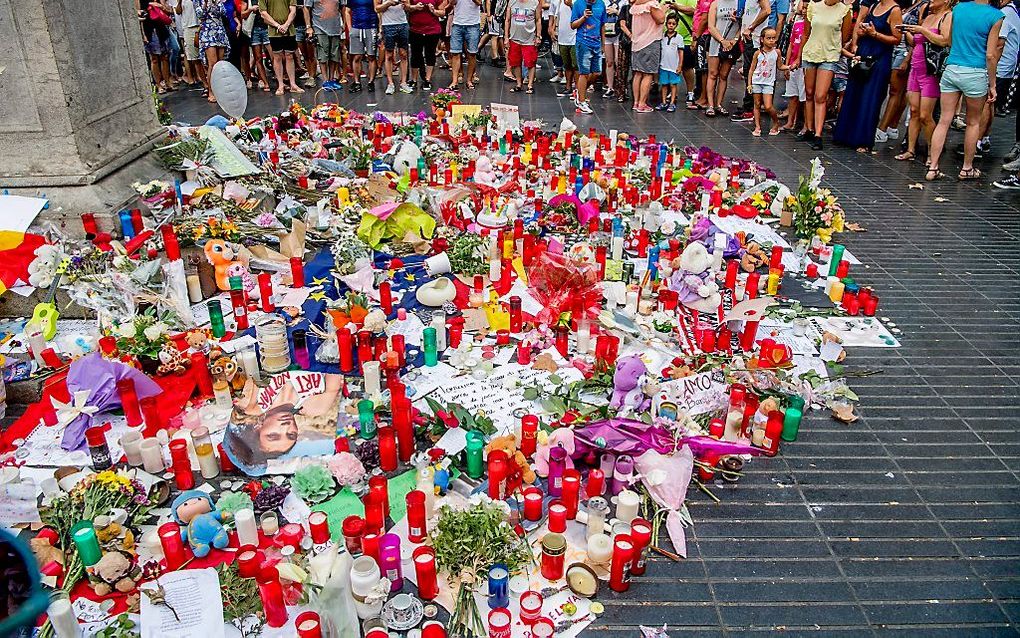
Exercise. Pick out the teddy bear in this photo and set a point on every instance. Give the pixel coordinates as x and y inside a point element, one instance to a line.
<point>222,255</point>
<point>248,283</point>
<point>761,419</point>
<point>561,437</point>
<point>628,394</point>
<point>198,340</point>
<point>692,279</point>
<point>225,368</point>
<point>484,172</point>
<point>115,572</point>
<point>112,535</point>
<point>508,444</point>
<point>753,256</point>
<point>201,523</point>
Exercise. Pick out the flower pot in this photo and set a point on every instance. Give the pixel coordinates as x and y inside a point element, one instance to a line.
<point>361,172</point>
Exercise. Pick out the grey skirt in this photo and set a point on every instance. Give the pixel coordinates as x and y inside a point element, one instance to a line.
<point>647,59</point>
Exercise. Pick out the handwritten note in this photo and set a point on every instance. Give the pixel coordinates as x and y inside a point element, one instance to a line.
<point>195,595</point>
<point>695,394</point>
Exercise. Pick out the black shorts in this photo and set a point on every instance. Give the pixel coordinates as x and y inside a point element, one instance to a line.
<point>689,61</point>
<point>283,44</point>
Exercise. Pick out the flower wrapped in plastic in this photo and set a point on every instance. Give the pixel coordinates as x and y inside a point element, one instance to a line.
<point>563,285</point>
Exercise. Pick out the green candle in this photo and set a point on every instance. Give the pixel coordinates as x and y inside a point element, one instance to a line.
<point>216,318</point>
<point>366,417</point>
<point>475,446</point>
<point>797,401</point>
<point>837,256</point>
<point>431,352</point>
<point>791,423</point>
<point>84,537</point>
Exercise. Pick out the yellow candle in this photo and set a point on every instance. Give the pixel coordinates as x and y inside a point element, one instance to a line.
<point>836,292</point>
<point>561,185</point>
<point>772,286</point>
<point>343,195</point>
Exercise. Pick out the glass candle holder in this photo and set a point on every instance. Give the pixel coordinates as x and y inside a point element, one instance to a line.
<point>598,510</point>
<point>180,462</point>
<point>353,528</point>
<point>270,523</point>
<point>557,464</point>
<point>62,616</point>
<point>129,402</point>
<point>207,464</point>
<point>308,625</point>
<point>387,449</point>
<point>499,587</point>
<point>571,492</point>
<point>415,502</point>
<point>274,349</point>
<point>271,593</point>
<point>152,455</point>
<point>641,535</point>
<point>249,561</point>
<point>173,545</point>
<point>531,607</point>
<point>553,548</point>
<point>389,561</point>
<point>619,568</point>
<point>424,559</point>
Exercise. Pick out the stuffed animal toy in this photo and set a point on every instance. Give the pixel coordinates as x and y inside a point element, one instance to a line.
<point>761,417</point>
<point>405,157</point>
<point>692,278</point>
<point>563,437</point>
<point>484,172</point>
<point>627,391</point>
<point>223,367</point>
<point>171,360</point>
<point>753,257</point>
<point>198,340</point>
<point>222,255</point>
<point>201,523</point>
<point>248,282</point>
<point>115,571</point>
<point>112,535</point>
<point>508,444</point>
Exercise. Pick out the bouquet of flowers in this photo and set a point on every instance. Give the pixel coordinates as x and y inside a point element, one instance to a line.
<point>816,213</point>
<point>563,285</point>
<point>444,98</point>
<point>142,336</point>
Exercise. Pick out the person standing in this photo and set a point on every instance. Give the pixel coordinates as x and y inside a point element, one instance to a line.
<point>974,51</point>
<point>279,16</point>
<point>647,18</point>
<point>670,62</point>
<point>762,80</point>
<point>464,35</point>
<point>923,85</point>
<point>156,25</point>
<point>363,41</point>
<point>795,74</point>
<point>396,33</point>
<point>610,42</point>
<point>623,54</point>
<point>260,50</point>
<point>828,26</point>
<point>185,9</point>
<point>566,40</point>
<point>722,52</point>
<point>424,18</point>
<point>685,10</point>
<point>752,22</point>
<point>326,26</point>
<point>522,25</point>
<point>212,36</point>
<point>588,17</point>
<point>876,34</point>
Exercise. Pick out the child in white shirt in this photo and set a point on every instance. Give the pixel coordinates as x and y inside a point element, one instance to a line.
<point>670,64</point>
<point>761,82</point>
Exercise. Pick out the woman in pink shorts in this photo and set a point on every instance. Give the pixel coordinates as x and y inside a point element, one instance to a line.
<point>922,85</point>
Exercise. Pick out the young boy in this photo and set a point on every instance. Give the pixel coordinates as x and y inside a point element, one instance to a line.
<point>670,66</point>
<point>795,91</point>
<point>522,26</point>
<point>761,82</point>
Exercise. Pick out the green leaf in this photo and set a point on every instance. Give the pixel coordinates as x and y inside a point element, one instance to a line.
<point>530,393</point>
<point>555,379</point>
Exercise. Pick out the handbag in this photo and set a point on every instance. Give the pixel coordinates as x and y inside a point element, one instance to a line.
<point>734,53</point>
<point>935,56</point>
<point>860,68</point>
<point>157,15</point>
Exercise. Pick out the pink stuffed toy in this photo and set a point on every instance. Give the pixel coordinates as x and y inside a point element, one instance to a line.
<point>563,437</point>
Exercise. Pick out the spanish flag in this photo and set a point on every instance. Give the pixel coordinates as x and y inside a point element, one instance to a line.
<point>17,250</point>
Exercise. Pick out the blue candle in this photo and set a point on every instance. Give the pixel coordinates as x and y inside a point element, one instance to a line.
<point>499,587</point>
<point>653,263</point>
<point>126,226</point>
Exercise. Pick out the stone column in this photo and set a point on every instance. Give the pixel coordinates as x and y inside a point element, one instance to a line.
<point>75,98</point>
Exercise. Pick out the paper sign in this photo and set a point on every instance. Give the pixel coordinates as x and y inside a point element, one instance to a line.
<point>696,394</point>
<point>195,596</point>
<point>459,111</point>
<point>17,213</point>
<point>508,116</point>
<point>412,329</point>
<point>749,310</point>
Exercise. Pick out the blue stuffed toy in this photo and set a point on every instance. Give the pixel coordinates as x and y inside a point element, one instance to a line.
<point>201,523</point>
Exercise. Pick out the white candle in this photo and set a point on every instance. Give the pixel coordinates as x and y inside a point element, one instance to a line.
<point>495,267</point>
<point>627,503</point>
<point>583,337</point>
<point>61,614</point>
<point>372,378</point>
<point>247,530</point>
<point>152,456</point>
<point>617,254</point>
<point>194,288</point>
<point>439,323</point>
<point>131,442</point>
<point>600,549</point>
<point>632,302</point>
<point>249,362</point>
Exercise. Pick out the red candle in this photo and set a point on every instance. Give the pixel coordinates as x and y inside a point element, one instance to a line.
<point>562,345</point>
<point>415,501</point>
<point>641,534</point>
<point>404,426</point>
<point>812,270</point>
<point>226,465</point>
<point>455,334</point>
<point>49,413</point>
<point>266,291</point>
<point>500,623</point>
<point>297,272</point>
<point>180,463</point>
<point>529,433</point>
<point>200,368</point>
<point>386,297</point>
<point>271,593</point>
<point>516,321</point>
<point>497,470</point>
<point>533,503</point>
<point>345,344</point>
<point>751,290</point>
<point>843,269</point>
<point>523,353</point>
<point>240,310</point>
<point>773,429</point>
<point>424,559</point>
<point>398,345</point>
<point>870,305</point>
<point>619,568</point>
<point>748,335</point>
<point>173,545</point>
<point>776,258</point>
<point>571,492</point>
<point>557,517</point>
<point>129,401</point>
<point>370,546</point>
<point>596,484</point>
<point>379,487</point>
<point>375,514</point>
<point>318,525</point>
<point>851,303</point>
<point>307,623</point>
<point>731,275</point>
<point>249,561</point>
<point>387,449</point>
<point>353,528</point>
<point>290,535</point>
<point>150,411</point>
<point>531,607</point>
<point>716,428</point>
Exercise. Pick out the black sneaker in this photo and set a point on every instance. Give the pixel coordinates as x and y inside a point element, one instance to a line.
<point>371,86</point>
<point>355,87</point>
<point>412,83</point>
<point>816,144</point>
<point>743,116</point>
<point>1009,183</point>
<point>426,86</point>
<point>806,136</point>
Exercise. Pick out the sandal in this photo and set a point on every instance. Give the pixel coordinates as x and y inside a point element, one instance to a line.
<point>710,112</point>
<point>969,174</point>
<point>531,90</point>
<point>694,106</point>
<point>933,174</point>
<point>470,86</point>
<point>721,111</point>
<point>905,156</point>
<point>515,89</point>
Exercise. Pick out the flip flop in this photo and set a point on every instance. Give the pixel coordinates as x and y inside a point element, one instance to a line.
<point>906,156</point>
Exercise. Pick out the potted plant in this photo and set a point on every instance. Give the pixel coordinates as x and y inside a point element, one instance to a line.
<point>442,100</point>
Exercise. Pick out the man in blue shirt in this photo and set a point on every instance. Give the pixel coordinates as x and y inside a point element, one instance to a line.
<point>588,17</point>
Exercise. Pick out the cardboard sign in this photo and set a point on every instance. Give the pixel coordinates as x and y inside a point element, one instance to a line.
<point>693,395</point>
<point>459,111</point>
<point>508,117</point>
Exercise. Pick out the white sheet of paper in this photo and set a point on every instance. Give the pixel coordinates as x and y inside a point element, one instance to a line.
<point>294,509</point>
<point>830,351</point>
<point>529,304</point>
<point>294,297</point>
<point>784,333</point>
<point>16,508</point>
<point>43,444</point>
<point>195,595</point>
<point>858,332</point>
<point>18,212</point>
<point>453,441</point>
<point>411,328</point>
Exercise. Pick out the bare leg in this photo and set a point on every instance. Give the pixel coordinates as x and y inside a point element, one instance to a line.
<point>609,51</point>
<point>914,125</point>
<point>470,78</point>
<point>713,77</point>
<point>455,61</point>
<point>975,110</point>
<point>823,80</point>
<point>949,100</point>
<point>278,70</point>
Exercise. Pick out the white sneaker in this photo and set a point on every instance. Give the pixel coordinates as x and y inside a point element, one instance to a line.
<point>583,107</point>
<point>893,133</point>
<point>563,79</point>
<point>405,88</point>
<point>390,90</point>
<point>881,136</point>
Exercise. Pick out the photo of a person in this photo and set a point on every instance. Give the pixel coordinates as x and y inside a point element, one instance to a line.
<point>274,427</point>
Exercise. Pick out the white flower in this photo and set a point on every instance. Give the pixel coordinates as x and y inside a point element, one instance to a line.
<point>668,227</point>
<point>817,171</point>
<point>155,331</point>
<point>126,330</point>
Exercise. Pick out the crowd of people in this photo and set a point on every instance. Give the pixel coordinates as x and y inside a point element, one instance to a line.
<point>861,72</point>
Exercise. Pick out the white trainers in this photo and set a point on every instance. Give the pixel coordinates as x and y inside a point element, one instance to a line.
<point>583,107</point>
<point>563,79</point>
<point>893,133</point>
<point>390,89</point>
<point>881,136</point>
<point>405,88</point>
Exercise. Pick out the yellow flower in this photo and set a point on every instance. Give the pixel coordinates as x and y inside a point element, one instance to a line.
<point>543,437</point>
<point>825,234</point>
<point>837,223</point>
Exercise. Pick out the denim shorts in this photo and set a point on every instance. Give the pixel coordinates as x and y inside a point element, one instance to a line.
<point>821,66</point>
<point>464,38</point>
<point>395,36</point>
<point>588,60</point>
<point>971,81</point>
<point>763,89</point>
<point>259,36</point>
<point>299,34</point>
<point>839,83</point>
